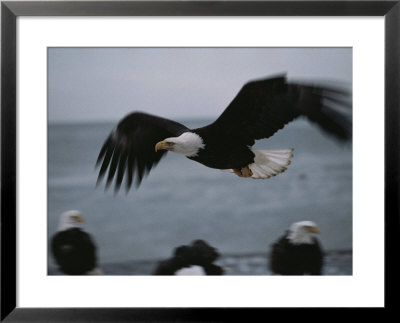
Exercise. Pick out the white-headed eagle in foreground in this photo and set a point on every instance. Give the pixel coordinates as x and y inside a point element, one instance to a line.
<point>74,249</point>
<point>260,109</point>
<point>298,251</point>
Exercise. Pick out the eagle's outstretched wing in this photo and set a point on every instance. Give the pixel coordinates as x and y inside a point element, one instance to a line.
<point>263,107</point>
<point>129,149</point>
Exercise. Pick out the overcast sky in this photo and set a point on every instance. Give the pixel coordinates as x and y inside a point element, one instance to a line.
<point>101,84</point>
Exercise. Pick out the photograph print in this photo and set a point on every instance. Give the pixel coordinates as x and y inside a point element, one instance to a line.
<point>200,161</point>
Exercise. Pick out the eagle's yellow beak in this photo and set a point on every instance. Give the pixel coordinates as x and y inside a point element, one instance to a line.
<point>79,218</point>
<point>161,145</point>
<point>314,230</point>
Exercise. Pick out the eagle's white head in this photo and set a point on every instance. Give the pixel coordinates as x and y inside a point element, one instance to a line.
<point>301,232</point>
<point>187,144</point>
<point>70,219</point>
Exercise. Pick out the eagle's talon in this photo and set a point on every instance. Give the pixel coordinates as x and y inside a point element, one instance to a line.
<point>243,172</point>
<point>246,172</point>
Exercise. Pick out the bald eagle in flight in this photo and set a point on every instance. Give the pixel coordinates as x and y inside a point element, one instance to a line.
<point>297,252</point>
<point>260,109</point>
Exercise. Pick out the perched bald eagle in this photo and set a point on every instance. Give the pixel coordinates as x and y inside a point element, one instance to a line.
<point>298,252</point>
<point>191,260</point>
<point>259,110</point>
<point>73,249</point>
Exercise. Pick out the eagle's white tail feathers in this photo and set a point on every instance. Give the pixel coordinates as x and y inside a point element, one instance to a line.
<point>268,163</point>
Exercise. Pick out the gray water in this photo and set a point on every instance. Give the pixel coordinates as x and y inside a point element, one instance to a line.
<point>182,200</point>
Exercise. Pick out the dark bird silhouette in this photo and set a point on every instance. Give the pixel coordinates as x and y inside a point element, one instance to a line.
<point>258,111</point>
<point>194,259</point>
<point>73,249</point>
<point>297,252</point>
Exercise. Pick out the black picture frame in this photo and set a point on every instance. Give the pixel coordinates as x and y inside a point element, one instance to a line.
<point>10,10</point>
